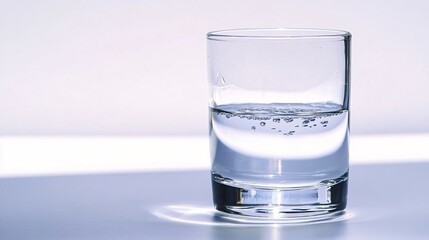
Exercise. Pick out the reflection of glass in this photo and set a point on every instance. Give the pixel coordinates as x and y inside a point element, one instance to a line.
<point>204,215</point>
<point>279,121</point>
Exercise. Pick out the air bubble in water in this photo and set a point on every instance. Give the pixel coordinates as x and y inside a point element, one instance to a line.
<point>253,127</point>
<point>325,125</point>
<point>277,120</point>
<point>324,122</point>
<point>305,121</point>
<point>289,133</point>
<point>288,119</point>
<point>262,124</point>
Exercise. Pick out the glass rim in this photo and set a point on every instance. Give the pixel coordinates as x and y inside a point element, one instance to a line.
<point>277,34</point>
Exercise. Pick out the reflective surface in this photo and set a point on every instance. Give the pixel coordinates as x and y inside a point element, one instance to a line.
<point>385,202</point>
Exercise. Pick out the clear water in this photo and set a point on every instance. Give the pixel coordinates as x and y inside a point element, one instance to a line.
<point>279,145</point>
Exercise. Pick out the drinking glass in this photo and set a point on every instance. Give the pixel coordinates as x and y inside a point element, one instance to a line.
<point>279,121</point>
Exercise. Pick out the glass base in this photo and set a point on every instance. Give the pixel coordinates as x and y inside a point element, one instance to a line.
<point>320,199</point>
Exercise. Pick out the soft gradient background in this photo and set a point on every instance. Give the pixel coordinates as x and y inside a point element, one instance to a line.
<point>139,67</point>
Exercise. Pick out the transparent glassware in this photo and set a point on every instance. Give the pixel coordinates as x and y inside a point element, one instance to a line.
<point>279,121</point>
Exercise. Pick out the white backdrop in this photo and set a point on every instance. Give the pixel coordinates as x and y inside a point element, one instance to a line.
<point>139,67</point>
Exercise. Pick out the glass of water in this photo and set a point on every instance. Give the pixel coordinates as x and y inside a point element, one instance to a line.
<point>279,121</point>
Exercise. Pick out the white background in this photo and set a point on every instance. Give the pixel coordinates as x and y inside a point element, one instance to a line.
<point>139,67</point>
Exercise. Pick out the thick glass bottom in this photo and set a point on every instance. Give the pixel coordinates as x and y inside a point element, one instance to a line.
<point>316,200</point>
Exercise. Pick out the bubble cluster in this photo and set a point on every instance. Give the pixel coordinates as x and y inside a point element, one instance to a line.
<point>288,119</point>
<point>276,120</point>
<point>289,133</point>
<point>255,117</point>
